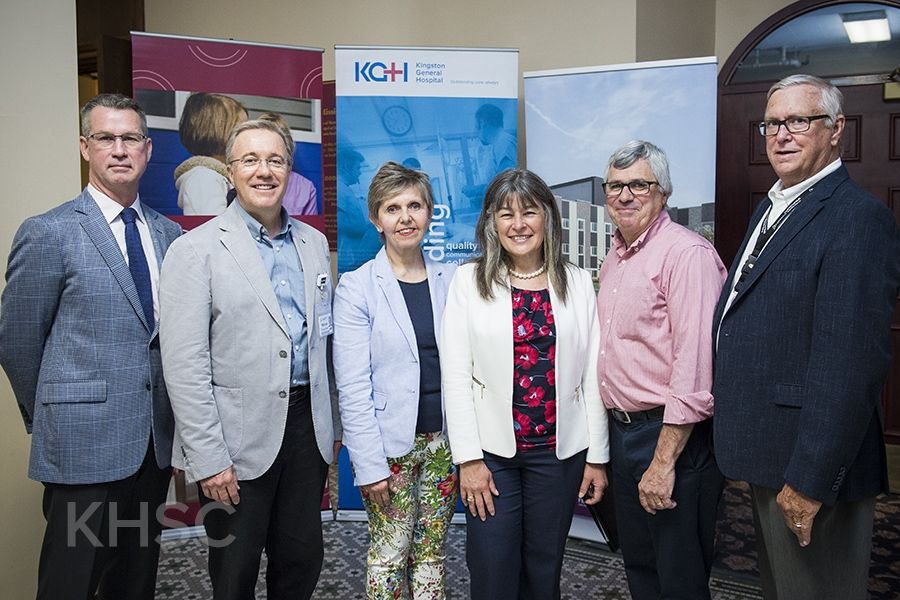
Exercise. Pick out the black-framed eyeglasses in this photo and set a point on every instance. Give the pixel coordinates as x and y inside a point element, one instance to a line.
<point>797,124</point>
<point>251,163</point>
<point>108,140</point>
<point>638,187</point>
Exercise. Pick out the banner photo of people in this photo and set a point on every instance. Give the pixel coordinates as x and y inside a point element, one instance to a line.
<point>450,112</point>
<point>576,118</point>
<point>195,90</point>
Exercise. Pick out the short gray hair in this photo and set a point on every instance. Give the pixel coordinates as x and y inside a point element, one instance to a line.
<point>831,100</point>
<point>114,101</point>
<point>635,150</point>
<point>260,124</point>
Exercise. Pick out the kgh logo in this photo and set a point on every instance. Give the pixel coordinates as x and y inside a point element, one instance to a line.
<point>378,71</point>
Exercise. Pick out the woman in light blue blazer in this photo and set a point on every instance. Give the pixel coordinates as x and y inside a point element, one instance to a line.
<point>387,315</point>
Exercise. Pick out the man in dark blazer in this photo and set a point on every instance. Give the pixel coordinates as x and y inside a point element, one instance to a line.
<point>803,350</point>
<point>78,341</point>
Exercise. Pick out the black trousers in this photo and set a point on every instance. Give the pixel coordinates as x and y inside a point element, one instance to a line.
<point>279,512</point>
<point>518,552</point>
<point>103,538</point>
<point>670,554</point>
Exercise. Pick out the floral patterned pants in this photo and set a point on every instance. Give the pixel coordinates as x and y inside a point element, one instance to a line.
<point>408,537</point>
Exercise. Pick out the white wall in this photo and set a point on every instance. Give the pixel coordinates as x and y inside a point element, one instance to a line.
<point>39,169</point>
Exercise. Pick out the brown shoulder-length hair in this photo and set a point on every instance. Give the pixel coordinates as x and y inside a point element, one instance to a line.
<point>206,121</point>
<point>530,191</point>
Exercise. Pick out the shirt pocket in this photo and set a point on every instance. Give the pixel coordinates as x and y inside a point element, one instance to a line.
<point>636,315</point>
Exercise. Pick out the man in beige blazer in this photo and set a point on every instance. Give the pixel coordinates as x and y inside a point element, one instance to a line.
<point>245,327</point>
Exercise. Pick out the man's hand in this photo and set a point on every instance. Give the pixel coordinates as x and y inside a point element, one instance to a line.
<point>222,487</point>
<point>799,512</point>
<point>593,482</point>
<point>655,487</point>
<point>476,488</point>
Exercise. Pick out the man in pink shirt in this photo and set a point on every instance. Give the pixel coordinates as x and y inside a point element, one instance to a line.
<point>658,289</point>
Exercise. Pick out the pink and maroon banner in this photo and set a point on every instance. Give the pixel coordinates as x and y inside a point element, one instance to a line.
<point>195,90</point>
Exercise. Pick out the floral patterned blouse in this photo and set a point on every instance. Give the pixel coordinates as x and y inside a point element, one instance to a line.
<point>534,369</point>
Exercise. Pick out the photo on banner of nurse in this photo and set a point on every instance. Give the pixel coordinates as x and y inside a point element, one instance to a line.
<point>187,175</point>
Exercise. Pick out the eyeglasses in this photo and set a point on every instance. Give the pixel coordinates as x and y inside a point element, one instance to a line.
<point>251,163</point>
<point>108,140</point>
<point>638,187</point>
<point>770,127</point>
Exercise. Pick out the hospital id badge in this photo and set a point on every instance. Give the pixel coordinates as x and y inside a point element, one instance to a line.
<point>323,310</point>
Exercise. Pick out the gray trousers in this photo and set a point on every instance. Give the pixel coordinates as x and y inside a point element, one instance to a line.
<point>835,565</point>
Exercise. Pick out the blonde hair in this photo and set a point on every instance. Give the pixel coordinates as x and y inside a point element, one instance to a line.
<point>393,179</point>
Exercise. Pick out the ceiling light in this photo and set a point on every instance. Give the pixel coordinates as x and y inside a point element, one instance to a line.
<point>868,26</point>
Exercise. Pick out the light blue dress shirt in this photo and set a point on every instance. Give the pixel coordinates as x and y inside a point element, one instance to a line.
<point>286,274</point>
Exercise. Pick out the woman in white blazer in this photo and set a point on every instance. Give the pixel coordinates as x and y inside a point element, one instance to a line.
<point>527,428</point>
<point>386,324</point>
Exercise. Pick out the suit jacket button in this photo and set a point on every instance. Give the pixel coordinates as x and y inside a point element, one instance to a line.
<point>148,386</point>
<point>282,354</point>
<point>282,394</point>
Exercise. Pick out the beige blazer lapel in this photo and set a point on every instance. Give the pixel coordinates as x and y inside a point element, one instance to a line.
<point>237,240</point>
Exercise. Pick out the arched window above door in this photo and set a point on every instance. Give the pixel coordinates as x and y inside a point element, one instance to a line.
<point>817,43</point>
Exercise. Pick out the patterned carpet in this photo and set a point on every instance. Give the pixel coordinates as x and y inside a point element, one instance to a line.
<point>736,541</point>
<point>589,571</point>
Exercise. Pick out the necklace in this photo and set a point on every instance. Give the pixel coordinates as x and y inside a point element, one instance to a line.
<point>531,275</point>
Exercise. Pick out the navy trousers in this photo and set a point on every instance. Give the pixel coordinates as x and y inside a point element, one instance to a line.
<point>668,555</point>
<point>518,552</point>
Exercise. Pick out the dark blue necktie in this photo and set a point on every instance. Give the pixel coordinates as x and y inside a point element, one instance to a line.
<point>137,264</point>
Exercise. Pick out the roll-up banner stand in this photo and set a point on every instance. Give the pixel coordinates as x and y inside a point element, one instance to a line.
<point>576,118</point>
<point>450,112</point>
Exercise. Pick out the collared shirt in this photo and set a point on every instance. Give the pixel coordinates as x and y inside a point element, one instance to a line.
<point>781,198</point>
<point>282,262</point>
<point>112,212</point>
<point>656,302</point>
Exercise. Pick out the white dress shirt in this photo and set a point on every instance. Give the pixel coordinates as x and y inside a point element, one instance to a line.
<point>781,198</point>
<point>112,212</point>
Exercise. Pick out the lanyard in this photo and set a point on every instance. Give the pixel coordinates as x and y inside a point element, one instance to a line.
<point>765,234</point>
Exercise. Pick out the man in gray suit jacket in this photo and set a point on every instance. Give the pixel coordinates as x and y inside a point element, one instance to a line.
<point>78,342</point>
<point>246,327</point>
<point>804,348</point>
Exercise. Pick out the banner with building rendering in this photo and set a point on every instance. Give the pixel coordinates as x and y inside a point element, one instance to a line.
<point>195,90</point>
<point>576,118</point>
<point>451,112</point>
